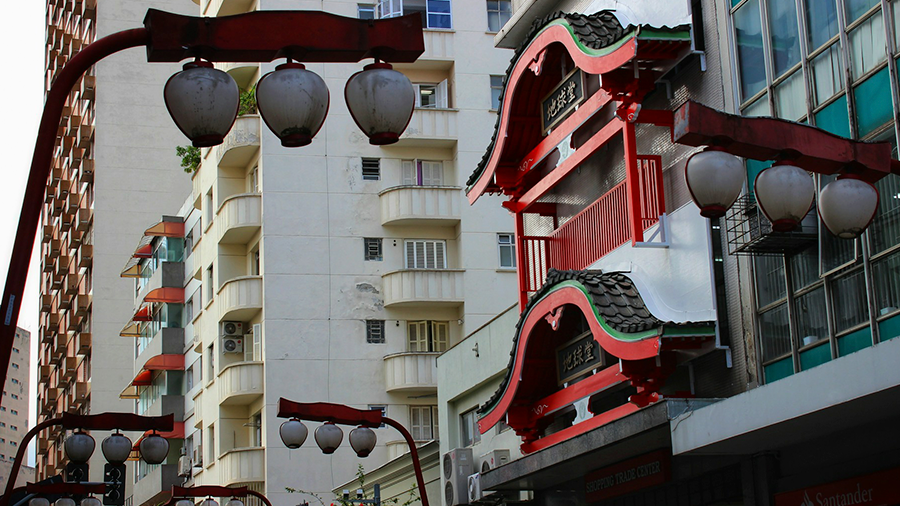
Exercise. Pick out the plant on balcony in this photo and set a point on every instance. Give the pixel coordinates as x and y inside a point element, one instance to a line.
<point>361,478</point>
<point>247,104</point>
<point>190,158</point>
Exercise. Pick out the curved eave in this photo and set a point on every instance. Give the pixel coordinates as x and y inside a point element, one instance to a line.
<point>592,61</point>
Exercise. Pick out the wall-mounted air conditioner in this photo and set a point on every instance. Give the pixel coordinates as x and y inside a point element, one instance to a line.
<point>231,329</point>
<point>474,482</point>
<point>493,459</point>
<point>457,466</point>
<point>232,345</point>
<point>185,467</point>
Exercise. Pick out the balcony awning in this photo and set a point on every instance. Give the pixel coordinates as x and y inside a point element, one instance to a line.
<point>168,295</point>
<point>166,229</point>
<point>133,329</point>
<point>165,362</point>
<point>142,314</point>
<point>177,432</point>
<point>132,269</point>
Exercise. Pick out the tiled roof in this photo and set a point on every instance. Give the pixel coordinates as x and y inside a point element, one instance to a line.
<point>614,296</point>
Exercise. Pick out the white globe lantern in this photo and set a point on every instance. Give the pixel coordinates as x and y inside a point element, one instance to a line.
<point>184,502</point>
<point>293,433</point>
<point>209,501</point>
<point>39,501</point>
<point>847,205</point>
<point>785,194</point>
<point>90,501</point>
<point>293,102</point>
<point>154,449</point>
<point>203,102</point>
<point>715,179</point>
<point>116,448</point>
<point>234,501</point>
<point>64,501</point>
<point>79,447</point>
<point>328,437</point>
<point>362,440</point>
<point>381,101</point>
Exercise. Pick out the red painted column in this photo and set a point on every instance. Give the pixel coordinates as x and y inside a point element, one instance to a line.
<point>633,183</point>
<point>520,261</point>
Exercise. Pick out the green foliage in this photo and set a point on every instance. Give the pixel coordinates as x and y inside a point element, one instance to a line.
<point>190,158</point>
<point>247,103</point>
<point>361,478</point>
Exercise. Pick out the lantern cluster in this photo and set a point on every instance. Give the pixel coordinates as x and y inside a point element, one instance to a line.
<point>784,193</point>
<point>293,102</point>
<point>328,436</point>
<point>209,501</point>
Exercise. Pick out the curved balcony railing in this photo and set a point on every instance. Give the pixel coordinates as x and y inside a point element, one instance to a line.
<point>420,205</point>
<point>240,298</point>
<point>241,142</point>
<point>431,128</point>
<point>239,218</point>
<point>423,287</point>
<point>242,465</point>
<point>411,372</point>
<point>240,383</point>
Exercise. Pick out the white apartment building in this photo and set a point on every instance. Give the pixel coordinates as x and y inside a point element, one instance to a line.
<point>14,411</point>
<point>335,272</point>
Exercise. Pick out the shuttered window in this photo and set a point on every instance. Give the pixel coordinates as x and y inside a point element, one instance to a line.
<point>423,422</point>
<point>428,336</point>
<point>422,173</point>
<point>426,254</point>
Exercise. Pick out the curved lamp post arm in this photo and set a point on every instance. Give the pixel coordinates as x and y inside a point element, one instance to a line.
<point>413,453</point>
<point>20,456</point>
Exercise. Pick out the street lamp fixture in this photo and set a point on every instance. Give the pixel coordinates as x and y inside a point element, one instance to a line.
<point>328,437</point>
<point>293,102</point>
<point>785,194</point>
<point>154,448</point>
<point>381,101</point>
<point>79,447</point>
<point>203,102</point>
<point>293,433</point>
<point>847,206</point>
<point>362,440</point>
<point>116,448</point>
<point>715,179</point>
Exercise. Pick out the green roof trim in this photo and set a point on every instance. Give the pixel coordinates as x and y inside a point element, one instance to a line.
<point>678,34</point>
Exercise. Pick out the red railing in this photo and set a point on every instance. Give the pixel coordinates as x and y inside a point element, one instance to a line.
<point>595,231</point>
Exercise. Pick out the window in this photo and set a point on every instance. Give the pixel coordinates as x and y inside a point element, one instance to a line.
<point>210,288</point>
<point>375,331</point>
<point>254,261</point>
<point>189,379</point>
<point>507,245</point>
<point>496,90</point>
<point>423,423</point>
<point>211,361</point>
<point>372,246</point>
<point>427,336</point>
<point>253,180</point>
<point>2,408</point>
<point>469,426</point>
<point>431,96</point>
<point>426,254</point>
<point>498,13</point>
<point>365,11</point>
<point>188,311</point>
<point>421,173</point>
<point>14,396</point>
<point>14,381</point>
<point>13,411</point>
<point>435,13</point>
<point>15,350</point>
<point>209,208</point>
<point>15,366</point>
<point>371,169</point>
<point>13,443</point>
<point>13,427</point>
<point>211,431</point>
<point>256,429</point>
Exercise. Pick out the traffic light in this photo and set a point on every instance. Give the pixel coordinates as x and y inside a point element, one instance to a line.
<point>114,476</point>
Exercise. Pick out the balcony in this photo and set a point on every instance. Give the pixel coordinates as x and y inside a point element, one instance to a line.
<point>240,383</point>
<point>167,341</point>
<point>241,143</point>
<point>420,205</point>
<point>155,486</point>
<point>431,128</point>
<point>166,275</point>
<point>242,465</point>
<point>439,52</point>
<point>240,298</point>
<point>423,288</point>
<point>239,218</point>
<point>411,371</point>
<point>166,404</point>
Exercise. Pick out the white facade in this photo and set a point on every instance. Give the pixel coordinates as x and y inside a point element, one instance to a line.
<point>14,412</point>
<point>281,248</point>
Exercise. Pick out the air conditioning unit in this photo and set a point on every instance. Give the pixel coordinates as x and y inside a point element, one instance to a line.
<point>231,329</point>
<point>185,467</point>
<point>493,459</point>
<point>457,466</point>
<point>474,481</point>
<point>232,345</point>
<point>198,456</point>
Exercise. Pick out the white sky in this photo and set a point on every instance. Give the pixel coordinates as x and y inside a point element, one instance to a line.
<point>22,49</point>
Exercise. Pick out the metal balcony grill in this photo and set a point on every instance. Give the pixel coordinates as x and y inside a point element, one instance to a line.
<point>749,232</point>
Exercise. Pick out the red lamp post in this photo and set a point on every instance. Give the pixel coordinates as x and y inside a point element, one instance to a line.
<point>331,414</point>
<point>261,36</point>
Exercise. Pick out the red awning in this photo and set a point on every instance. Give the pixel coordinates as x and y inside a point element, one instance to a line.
<point>144,251</point>
<point>132,269</point>
<point>177,432</point>
<point>142,314</point>
<point>165,362</point>
<point>133,329</point>
<point>168,295</point>
<point>166,229</point>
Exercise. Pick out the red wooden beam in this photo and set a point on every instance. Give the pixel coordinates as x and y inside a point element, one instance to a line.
<point>589,386</point>
<point>328,412</point>
<point>807,147</point>
<point>262,36</point>
<point>577,429</point>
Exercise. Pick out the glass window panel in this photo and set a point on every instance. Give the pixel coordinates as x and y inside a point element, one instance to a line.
<point>790,97</point>
<point>785,35</point>
<point>886,274</point>
<point>856,8</point>
<point>754,167</point>
<point>867,45</point>
<point>896,10</point>
<point>834,251</point>
<point>748,33</point>
<point>812,321</point>
<point>873,102</point>
<point>833,118</point>
<point>758,108</point>
<point>885,229</point>
<point>827,74</point>
<point>775,333</point>
<point>850,301</point>
<point>822,24</point>
<point>805,268</point>
<point>770,282</point>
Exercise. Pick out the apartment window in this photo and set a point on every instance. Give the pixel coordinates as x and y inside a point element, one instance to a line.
<point>211,431</point>
<point>15,350</point>
<point>421,173</point>
<point>14,396</point>
<point>13,443</point>
<point>256,429</point>
<point>254,261</point>
<point>13,427</point>
<point>423,423</point>
<point>372,246</point>
<point>2,424</point>
<point>371,169</point>
<point>189,379</point>
<point>469,428</point>
<point>365,11</point>
<point>211,362</point>
<point>435,13</point>
<point>506,244</point>
<point>14,381</point>
<point>254,180</point>
<point>13,411</point>
<point>431,95</point>
<point>2,408</point>
<point>189,243</point>
<point>428,335</point>
<point>375,331</point>
<point>209,208</point>
<point>210,285</point>
<point>15,366</point>
<point>496,91</point>
<point>421,254</point>
<point>188,312</point>
<point>498,13</point>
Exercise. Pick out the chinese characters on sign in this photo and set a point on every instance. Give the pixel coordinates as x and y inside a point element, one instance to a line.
<point>562,100</point>
<point>577,357</point>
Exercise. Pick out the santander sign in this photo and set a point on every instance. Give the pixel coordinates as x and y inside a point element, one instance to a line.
<point>877,489</point>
